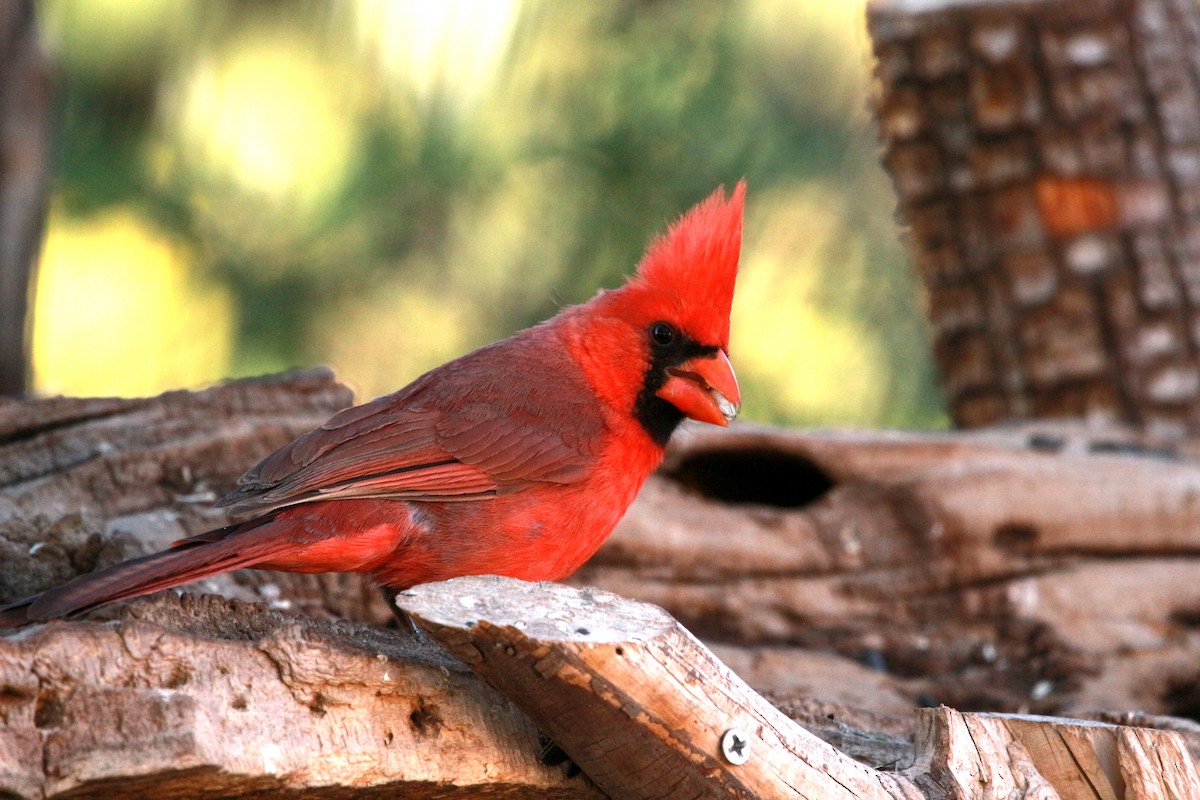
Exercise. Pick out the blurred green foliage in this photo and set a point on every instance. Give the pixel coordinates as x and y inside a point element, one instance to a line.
<point>384,185</point>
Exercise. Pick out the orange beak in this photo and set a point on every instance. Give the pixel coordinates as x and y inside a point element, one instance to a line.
<point>704,388</point>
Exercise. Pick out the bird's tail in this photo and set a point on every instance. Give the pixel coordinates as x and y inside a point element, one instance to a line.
<point>211,553</point>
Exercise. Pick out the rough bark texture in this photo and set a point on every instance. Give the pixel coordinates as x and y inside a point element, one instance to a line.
<point>85,483</point>
<point>1047,159</point>
<point>639,704</point>
<point>202,697</point>
<point>24,180</point>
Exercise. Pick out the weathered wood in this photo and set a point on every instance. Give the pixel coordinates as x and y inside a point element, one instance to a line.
<point>642,707</point>
<point>831,571</point>
<point>88,482</point>
<point>201,697</point>
<point>635,700</point>
<point>1045,155</point>
<point>1051,569</point>
<point>1014,756</point>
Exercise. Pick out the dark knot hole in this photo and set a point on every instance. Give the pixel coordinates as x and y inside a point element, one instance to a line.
<point>753,475</point>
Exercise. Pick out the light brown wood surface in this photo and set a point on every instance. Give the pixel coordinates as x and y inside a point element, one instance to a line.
<point>204,697</point>
<point>1048,569</point>
<point>1051,568</point>
<point>642,706</point>
<point>635,700</point>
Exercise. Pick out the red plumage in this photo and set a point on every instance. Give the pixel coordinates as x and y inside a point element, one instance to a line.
<point>516,459</point>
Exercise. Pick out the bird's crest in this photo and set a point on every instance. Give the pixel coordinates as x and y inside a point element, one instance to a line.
<point>693,266</point>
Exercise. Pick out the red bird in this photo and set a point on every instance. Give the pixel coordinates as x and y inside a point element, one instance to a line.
<point>517,459</point>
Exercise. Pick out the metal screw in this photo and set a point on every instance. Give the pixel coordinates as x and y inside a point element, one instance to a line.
<point>735,746</point>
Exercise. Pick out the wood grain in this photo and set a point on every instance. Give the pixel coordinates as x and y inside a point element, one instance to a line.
<point>204,697</point>
<point>641,706</point>
<point>635,700</point>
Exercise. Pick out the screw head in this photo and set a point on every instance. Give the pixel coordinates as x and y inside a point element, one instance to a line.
<point>735,746</point>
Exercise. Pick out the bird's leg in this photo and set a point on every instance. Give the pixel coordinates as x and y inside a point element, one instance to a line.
<point>403,620</point>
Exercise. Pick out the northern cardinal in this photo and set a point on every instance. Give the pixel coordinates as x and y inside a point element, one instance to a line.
<point>516,459</point>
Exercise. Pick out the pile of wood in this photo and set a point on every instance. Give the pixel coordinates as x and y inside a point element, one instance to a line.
<point>846,578</point>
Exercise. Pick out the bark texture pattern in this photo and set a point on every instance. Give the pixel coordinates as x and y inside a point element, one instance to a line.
<point>85,483</point>
<point>1047,160</point>
<point>200,697</point>
<point>1045,569</point>
<point>1050,569</point>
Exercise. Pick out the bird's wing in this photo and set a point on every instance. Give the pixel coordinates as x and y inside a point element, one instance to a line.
<point>495,421</point>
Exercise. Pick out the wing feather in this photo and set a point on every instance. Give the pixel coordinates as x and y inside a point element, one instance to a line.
<point>497,420</point>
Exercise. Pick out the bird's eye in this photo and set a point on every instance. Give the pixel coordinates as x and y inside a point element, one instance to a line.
<point>662,334</point>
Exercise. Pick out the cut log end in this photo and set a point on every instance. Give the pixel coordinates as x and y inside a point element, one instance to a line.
<point>545,611</point>
<point>1023,755</point>
<point>647,712</point>
<point>643,708</point>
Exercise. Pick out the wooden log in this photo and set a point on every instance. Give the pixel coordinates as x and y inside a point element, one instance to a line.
<point>1045,159</point>
<point>1010,755</point>
<point>648,712</point>
<point>85,483</point>
<point>638,703</point>
<point>1048,569</point>
<point>200,697</point>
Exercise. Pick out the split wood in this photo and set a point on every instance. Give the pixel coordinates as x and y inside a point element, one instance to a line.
<point>646,711</point>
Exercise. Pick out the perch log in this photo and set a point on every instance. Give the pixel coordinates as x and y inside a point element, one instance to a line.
<point>846,576</point>
<point>647,711</point>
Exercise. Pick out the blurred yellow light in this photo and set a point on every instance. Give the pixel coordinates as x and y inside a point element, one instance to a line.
<point>807,362</point>
<point>116,312</point>
<point>265,115</point>
<point>450,48</point>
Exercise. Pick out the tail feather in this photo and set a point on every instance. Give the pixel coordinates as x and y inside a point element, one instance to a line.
<point>203,556</point>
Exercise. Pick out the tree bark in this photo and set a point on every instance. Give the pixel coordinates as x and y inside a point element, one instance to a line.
<point>1051,569</point>
<point>199,697</point>
<point>25,143</point>
<point>85,483</point>
<point>1047,160</point>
